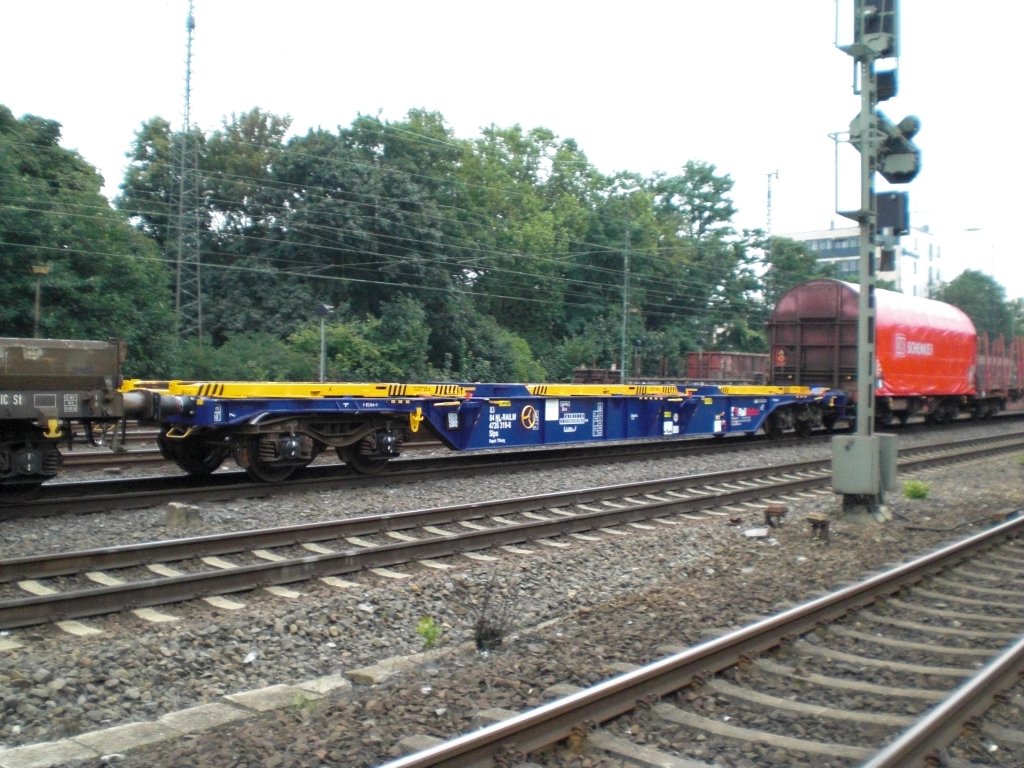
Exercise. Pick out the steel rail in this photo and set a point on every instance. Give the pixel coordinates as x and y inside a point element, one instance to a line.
<point>160,591</point>
<point>97,458</point>
<point>51,564</point>
<point>90,602</point>
<point>940,727</point>
<point>124,494</point>
<point>108,495</point>
<point>129,555</point>
<point>547,724</point>
<point>104,458</point>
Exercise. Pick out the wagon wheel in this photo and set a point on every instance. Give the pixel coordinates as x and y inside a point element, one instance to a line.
<point>192,454</point>
<point>269,473</point>
<point>360,463</point>
<point>247,456</point>
<point>803,427</point>
<point>774,426</point>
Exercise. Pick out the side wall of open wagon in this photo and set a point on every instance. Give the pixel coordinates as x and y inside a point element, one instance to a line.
<point>27,364</point>
<point>812,336</point>
<point>45,379</point>
<point>721,367</point>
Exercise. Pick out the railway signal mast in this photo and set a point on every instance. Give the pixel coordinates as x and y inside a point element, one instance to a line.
<point>864,464</point>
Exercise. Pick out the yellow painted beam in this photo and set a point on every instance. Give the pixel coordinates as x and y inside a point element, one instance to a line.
<point>603,390</point>
<point>764,391</point>
<point>297,389</point>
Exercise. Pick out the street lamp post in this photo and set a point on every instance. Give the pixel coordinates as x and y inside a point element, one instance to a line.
<point>40,271</point>
<point>323,311</point>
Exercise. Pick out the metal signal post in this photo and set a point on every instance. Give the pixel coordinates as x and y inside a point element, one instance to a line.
<point>864,464</point>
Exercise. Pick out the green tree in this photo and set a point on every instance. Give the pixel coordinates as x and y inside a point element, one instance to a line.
<point>1016,308</point>
<point>619,260</point>
<point>713,263</point>
<point>105,279</point>
<point>595,345</point>
<point>787,263</point>
<point>150,188</point>
<point>246,357</point>
<point>983,300</point>
<point>404,334</point>
<point>352,354</point>
<point>252,280</point>
<point>696,201</point>
<point>365,213</point>
<point>514,266</point>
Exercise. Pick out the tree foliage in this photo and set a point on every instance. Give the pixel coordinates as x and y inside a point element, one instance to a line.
<point>104,279</point>
<point>508,256</point>
<point>787,264</point>
<point>983,300</point>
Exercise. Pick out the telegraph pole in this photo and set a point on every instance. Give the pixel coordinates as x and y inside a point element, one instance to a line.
<point>864,464</point>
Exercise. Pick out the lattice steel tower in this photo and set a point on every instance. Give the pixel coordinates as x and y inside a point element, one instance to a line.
<point>768,217</point>
<point>188,302</point>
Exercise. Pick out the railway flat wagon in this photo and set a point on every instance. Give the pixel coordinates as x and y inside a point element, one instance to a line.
<point>926,351</point>
<point>274,428</point>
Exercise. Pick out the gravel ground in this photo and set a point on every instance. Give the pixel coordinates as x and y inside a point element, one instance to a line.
<point>566,614</point>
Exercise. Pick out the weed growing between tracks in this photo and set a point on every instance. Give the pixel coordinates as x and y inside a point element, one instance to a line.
<point>493,616</point>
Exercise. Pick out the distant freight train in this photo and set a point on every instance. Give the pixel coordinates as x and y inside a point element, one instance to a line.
<point>930,360</point>
<point>931,363</point>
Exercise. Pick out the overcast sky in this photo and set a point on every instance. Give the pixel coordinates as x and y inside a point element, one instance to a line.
<point>750,86</point>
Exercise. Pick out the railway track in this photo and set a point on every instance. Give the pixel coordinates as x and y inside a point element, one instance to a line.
<point>915,653</point>
<point>100,459</point>
<point>59,587</point>
<point>112,494</point>
<point>134,493</point>
<point>104,459</point>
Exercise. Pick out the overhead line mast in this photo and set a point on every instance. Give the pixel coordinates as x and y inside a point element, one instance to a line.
<point>188,304</point>
<point>768,217</point>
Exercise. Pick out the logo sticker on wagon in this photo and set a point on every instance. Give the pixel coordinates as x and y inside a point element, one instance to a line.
<point>528,417</point>
<point>904,347</point>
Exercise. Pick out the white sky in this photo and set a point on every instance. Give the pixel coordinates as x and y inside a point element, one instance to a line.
<point>751,86</point>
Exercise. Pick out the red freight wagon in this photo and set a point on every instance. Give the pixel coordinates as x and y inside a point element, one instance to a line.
<point>727,367</point>
<point>1000,366</point>
<point>925,350</point>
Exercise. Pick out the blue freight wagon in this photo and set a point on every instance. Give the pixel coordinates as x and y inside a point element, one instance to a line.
<point>274,428</point>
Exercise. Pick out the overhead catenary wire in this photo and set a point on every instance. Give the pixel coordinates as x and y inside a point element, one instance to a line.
<point>651,290</point>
